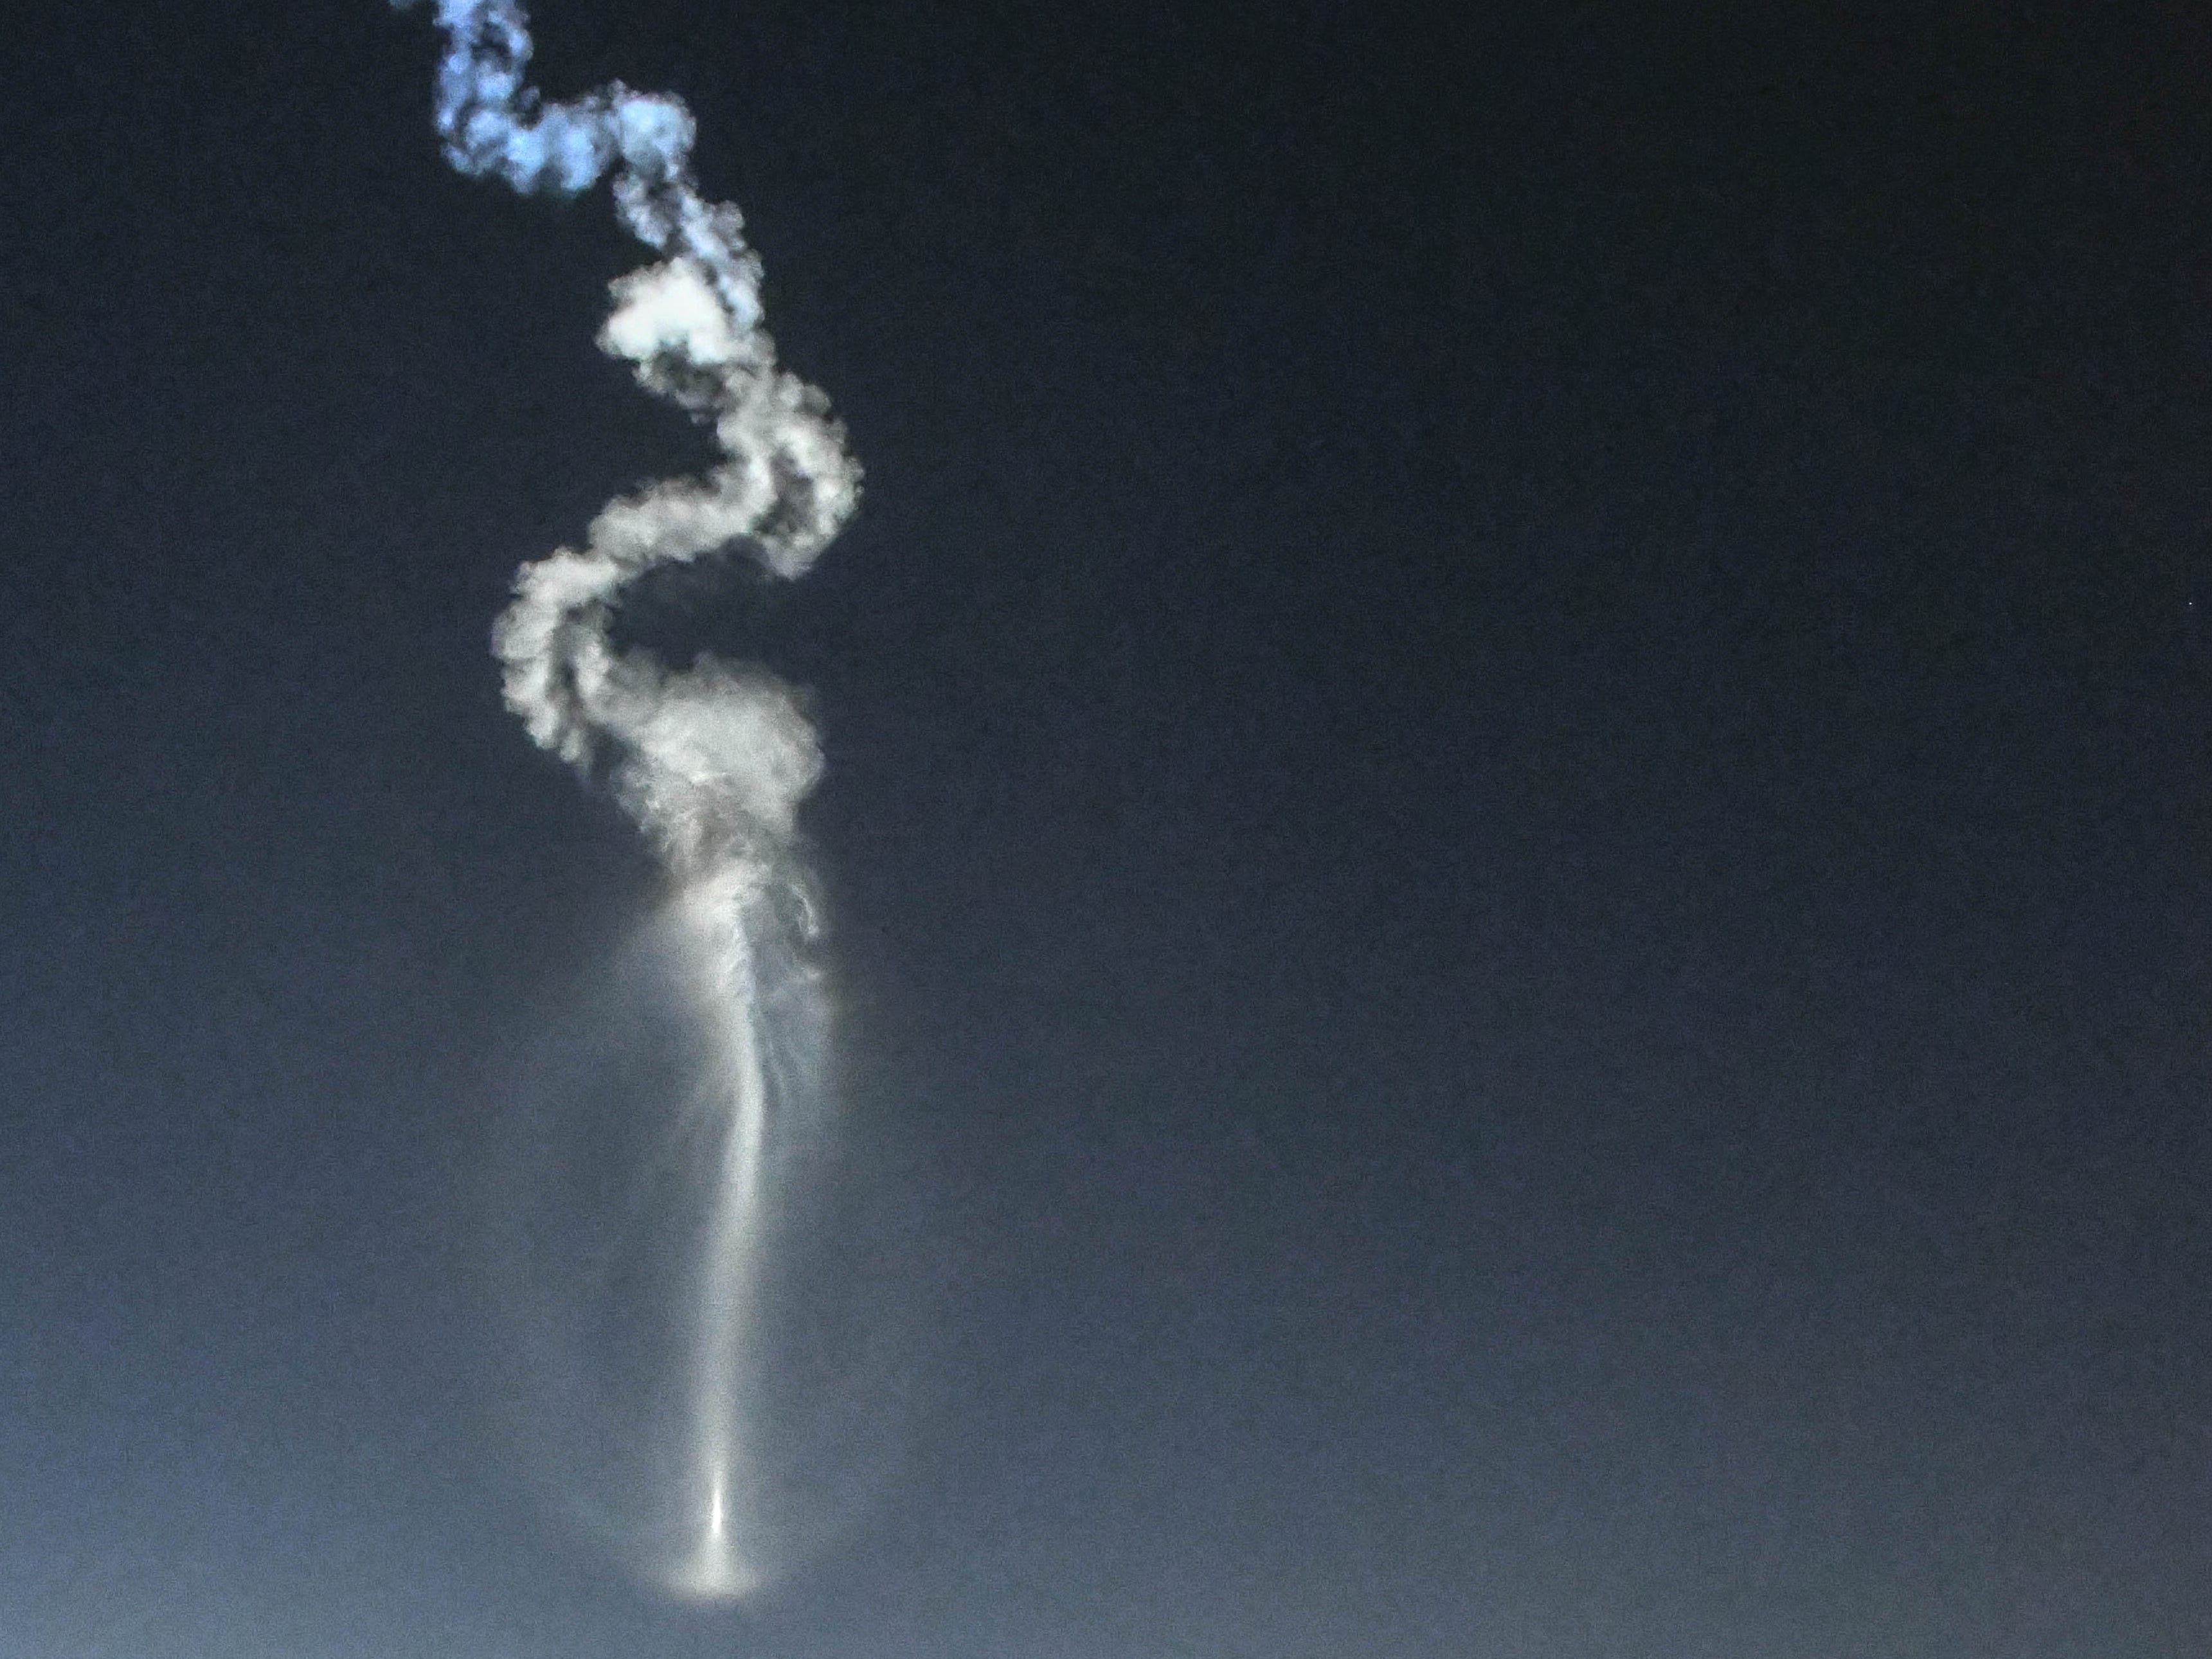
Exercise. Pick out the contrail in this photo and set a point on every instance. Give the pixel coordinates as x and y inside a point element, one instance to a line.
<point>712,761</point>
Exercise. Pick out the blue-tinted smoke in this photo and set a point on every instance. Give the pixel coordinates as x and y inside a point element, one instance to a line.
<point>495,124</point>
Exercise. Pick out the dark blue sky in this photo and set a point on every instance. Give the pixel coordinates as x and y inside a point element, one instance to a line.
<point>1517,822</point>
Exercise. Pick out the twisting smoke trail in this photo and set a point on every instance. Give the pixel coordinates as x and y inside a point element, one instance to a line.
<point>712,761</point>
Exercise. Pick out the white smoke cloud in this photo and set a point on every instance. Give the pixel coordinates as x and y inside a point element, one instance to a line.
<point>708,759</point>
<point>713,760</point>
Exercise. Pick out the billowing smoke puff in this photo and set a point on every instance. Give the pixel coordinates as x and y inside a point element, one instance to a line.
<point>712,761</point>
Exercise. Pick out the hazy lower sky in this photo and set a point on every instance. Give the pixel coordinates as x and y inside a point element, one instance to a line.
<point>1516,834</point>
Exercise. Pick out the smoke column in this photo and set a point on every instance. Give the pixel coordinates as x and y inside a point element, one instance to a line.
<point>712,761</point>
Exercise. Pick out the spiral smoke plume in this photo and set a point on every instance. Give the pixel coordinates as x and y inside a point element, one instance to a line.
<point>709,756</point>
<point>712,761</point>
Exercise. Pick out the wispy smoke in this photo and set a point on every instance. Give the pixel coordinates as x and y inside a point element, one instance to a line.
<point>712,761</point>
<point>713,756</point>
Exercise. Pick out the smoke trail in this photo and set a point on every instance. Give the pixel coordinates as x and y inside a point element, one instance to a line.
<point>711,762</point>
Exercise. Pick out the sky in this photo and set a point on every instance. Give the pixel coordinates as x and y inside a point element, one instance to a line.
<point>1516,831</point>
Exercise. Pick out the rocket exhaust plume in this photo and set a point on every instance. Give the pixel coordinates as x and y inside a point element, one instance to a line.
<point>712,761</point>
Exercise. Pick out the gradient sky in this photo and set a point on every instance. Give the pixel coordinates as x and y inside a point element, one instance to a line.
<point>1517,821</point>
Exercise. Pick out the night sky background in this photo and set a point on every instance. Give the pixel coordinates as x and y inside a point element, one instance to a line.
<point>1518,820</point>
